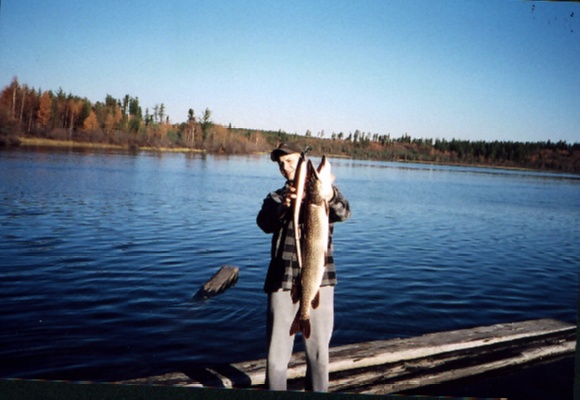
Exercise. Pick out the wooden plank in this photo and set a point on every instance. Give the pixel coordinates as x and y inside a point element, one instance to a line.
<point>369,354</point>
<point>400,364</point>
<point>405,375</point>
<point>382,352</point>
<point>525,357</point>
<point>224,278</point>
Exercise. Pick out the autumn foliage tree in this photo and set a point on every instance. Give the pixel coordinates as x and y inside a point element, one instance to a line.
<point>25,111</point>
<point>43,115</point>
<point>58,115</point>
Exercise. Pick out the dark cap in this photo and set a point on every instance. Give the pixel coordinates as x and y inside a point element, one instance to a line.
<point>285,148</point>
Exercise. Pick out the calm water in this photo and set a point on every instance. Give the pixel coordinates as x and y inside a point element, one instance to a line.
<point>101,254</point>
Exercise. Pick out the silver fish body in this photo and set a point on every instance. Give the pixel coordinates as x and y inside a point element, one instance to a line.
<point>314,243</point>
<point>299,184</point>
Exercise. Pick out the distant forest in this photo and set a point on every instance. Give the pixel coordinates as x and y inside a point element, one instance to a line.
<point>26,112</point>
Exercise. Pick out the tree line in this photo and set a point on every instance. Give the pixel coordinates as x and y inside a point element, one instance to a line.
<point>554,156</point>
<point>29,112</point>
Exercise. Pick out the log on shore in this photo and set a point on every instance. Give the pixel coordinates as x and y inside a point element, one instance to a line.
<point>396,365</point>
<point>224,278</point>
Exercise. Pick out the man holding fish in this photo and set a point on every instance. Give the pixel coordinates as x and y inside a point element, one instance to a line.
<point>301,275</point>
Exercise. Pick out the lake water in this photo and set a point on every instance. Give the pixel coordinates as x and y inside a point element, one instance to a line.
<point>101,253</point>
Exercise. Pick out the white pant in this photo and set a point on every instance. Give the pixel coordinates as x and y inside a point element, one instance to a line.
<point>281,313</point>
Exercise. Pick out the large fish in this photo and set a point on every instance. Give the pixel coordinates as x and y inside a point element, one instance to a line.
<point>314,242</point>
<point>299,184</point>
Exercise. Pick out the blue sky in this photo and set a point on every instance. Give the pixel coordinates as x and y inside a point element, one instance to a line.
<point>474,70</point>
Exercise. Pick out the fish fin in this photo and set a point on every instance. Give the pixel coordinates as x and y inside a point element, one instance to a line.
<point>295,292</point>
<point>316,300</point>
<point>296,325</point>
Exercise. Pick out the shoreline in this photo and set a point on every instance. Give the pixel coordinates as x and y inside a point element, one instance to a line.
<point>54,143</point>
<point>41,142</point>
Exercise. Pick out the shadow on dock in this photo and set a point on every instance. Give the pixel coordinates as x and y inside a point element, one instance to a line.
<point>403,365</point>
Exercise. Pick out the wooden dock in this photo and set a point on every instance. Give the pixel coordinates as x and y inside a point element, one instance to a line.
<point>396,365</point>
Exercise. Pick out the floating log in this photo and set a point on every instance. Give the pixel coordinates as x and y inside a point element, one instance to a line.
<point>396,365</point>
<point>226,277</point>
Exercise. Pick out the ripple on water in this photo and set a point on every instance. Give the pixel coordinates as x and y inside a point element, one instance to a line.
<point>98,274</point>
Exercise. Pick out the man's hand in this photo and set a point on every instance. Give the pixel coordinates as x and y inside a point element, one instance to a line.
<point>289,196</point>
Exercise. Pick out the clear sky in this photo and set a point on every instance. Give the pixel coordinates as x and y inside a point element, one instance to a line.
<point>475,70</point>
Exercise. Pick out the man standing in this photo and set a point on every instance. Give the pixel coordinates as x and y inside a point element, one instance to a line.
<point>275,217</point>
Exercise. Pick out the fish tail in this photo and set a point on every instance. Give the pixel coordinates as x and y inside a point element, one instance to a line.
<point>300,325</point>
<point>305,328</point>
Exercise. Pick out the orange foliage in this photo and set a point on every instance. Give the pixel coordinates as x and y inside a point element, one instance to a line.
<point>75,106</point>
<point>44,110</point>
<point>91,123</point>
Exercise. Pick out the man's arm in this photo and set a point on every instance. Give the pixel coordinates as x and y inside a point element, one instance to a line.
<point>339,207</point>
<point>273,212</point>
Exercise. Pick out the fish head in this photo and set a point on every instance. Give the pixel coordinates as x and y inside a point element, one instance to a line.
<point>320,180</point>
